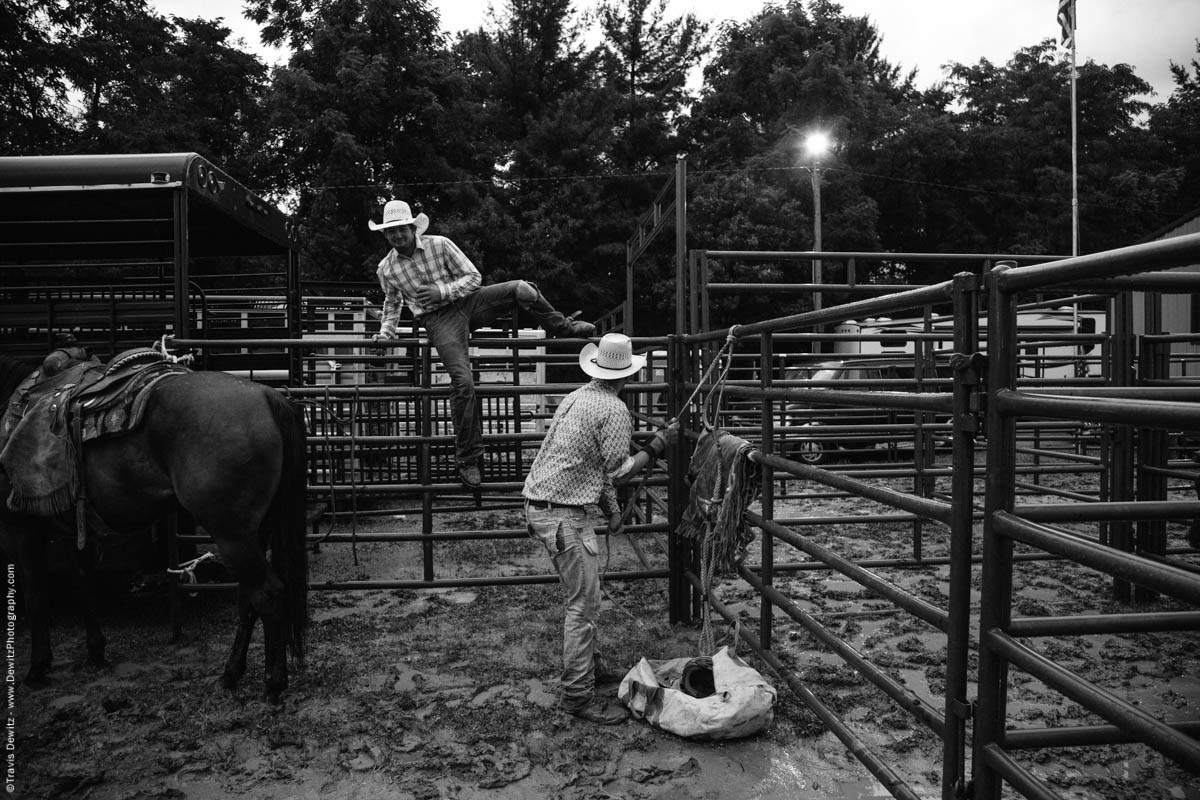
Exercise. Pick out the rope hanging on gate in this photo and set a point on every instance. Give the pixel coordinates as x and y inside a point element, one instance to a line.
<point>716,549</point>
<point>725,354</point>
<point>724,482</point>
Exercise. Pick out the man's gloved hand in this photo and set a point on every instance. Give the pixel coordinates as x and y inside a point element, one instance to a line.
<point>670,434</point>
<point>661,441</point>
<point>616,523</point>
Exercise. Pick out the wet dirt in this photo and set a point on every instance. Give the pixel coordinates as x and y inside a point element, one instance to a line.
<point>451,693</point>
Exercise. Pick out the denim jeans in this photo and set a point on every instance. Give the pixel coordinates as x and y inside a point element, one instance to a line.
<point>450,327</point>
<point>570,541</point>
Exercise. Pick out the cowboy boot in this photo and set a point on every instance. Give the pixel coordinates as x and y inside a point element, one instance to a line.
<point>555,322</point>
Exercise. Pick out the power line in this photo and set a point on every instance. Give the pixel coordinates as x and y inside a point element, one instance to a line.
<point>610,176</point>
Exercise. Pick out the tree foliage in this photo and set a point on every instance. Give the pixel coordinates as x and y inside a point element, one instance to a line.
<point>647,59</point>
<point>538,138</point>
<point>1176,125</point>
<point>33,84</point>
<point>367,106</point>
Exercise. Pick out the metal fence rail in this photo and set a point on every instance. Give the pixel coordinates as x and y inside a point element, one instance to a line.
<point>1113,552</point>
<point>390,441</point>
<point>1102,426</point>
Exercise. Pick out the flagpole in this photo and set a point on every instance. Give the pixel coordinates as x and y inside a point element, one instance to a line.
<point>1074,146</point>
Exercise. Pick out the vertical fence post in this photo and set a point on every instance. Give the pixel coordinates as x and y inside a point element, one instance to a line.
<point>1123,445</point>
<point>1153,455</point>
<point>182,256</point>
<point>679,551</point>
<point>681,251</point>
<point>295,312</point>
<point>516,467</point>
<point>424,460</point>
<point>691,298</point>
<point>766,608</point>
<point>923,455</point>
<point>962,494</point>
<point>995,610</point>
<point>627,322</point>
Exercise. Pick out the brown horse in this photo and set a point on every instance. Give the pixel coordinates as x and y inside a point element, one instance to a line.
<point>227,451</point>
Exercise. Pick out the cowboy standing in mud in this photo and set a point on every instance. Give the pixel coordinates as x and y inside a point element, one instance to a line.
<point>584,456</point>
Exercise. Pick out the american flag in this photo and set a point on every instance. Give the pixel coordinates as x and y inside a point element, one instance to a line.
<point>1066,19</point>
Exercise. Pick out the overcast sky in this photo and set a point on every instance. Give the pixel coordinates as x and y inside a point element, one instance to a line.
<point>920,34</point>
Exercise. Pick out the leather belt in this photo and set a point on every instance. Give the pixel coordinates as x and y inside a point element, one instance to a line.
<point>433,311</point>
<point>546,504</point>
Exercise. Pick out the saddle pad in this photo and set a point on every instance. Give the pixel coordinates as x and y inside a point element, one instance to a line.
<point>35,445</point>
<point>120,409</point>
<point>37,450</point>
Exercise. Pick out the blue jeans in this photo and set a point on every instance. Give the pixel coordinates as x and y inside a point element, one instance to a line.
<point>570,541</point>
<point>449,329</point>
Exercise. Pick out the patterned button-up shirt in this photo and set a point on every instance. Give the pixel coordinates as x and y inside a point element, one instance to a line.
<point>435,260</point>
<point>586,447</point>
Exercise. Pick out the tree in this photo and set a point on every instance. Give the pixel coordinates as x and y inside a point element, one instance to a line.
<point>33,89</point>
<point>550,125</point>
<point>773,79</point>
<point>212,99</point>
<point>647,61</point>
<point>115,56</point>
<point>524,63</point>
<point>368,107</point>
<point>149,84</point>
<point>787,70</point>
<point>1177,124</point>
<point>1019,154</point>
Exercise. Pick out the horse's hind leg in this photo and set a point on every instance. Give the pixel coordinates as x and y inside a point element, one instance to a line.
<point>235,667</point>
<point>261,595</point>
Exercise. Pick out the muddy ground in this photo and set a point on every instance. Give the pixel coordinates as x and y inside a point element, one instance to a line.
<point>451,693</point>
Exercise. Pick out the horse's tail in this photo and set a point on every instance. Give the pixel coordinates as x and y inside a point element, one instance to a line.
<point>286,520</point>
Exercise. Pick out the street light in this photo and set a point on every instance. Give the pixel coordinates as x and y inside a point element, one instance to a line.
<point>816,145</point>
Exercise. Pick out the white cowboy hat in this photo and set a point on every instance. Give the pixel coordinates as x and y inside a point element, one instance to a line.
<point>397,212</point>
<point>611,359</point>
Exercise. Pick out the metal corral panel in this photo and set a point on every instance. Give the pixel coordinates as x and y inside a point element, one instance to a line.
<point>123,206</point>
<point>119,250</point>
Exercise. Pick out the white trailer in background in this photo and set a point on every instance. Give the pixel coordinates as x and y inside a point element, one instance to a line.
<point>1062,342</point>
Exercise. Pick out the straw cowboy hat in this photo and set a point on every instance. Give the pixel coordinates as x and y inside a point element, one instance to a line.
<point>611,359</point>
<point>397,212</point>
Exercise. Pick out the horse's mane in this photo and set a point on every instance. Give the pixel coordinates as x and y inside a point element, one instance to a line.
<point>12,372</point>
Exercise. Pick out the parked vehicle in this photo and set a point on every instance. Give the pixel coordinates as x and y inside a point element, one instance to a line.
<point>830,428</point>
<point>1056,343</point>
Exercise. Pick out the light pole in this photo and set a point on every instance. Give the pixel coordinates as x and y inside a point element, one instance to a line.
<point>816,144</point>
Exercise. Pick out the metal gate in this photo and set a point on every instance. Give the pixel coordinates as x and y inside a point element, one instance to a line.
<point>1032,406</point>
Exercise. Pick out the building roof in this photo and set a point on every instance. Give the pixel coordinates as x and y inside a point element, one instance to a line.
<point>1187,223</point>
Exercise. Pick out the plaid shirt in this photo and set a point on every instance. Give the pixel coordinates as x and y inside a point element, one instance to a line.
<point>436,260</point>
<point>586,447</point>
